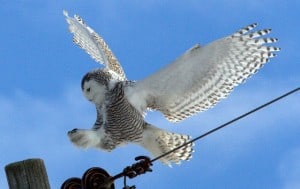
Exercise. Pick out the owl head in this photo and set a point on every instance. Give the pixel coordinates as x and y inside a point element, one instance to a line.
<point>95,85</point>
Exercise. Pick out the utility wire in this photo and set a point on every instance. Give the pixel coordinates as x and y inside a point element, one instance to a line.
<point>228,123</point>
<point>102,179</point>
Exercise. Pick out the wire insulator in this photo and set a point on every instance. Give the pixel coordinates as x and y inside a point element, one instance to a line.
<point>97,178</point>
<point>72,183</point>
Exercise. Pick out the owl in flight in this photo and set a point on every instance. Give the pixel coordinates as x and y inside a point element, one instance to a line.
<point>194,82</point>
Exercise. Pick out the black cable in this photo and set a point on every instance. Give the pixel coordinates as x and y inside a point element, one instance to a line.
<point>144,163</point>
<point>228,123</point>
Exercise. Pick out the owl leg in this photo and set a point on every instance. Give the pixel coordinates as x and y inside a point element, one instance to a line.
<point>85,138</point>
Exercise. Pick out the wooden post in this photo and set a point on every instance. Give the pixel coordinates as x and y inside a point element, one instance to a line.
<point>27,174</point>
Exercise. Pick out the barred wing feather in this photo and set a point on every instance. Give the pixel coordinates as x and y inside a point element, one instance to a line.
<point>86,38</point>
<point>203,76</point>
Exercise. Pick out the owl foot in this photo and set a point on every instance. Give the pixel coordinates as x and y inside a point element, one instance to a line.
<point>83,138</point>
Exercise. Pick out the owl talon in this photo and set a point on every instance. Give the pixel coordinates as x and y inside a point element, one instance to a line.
<point>73,131</point>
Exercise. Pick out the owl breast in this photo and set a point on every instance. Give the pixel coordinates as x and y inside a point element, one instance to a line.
<point>123,122</point>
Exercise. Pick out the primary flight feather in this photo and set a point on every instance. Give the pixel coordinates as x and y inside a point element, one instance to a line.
<point>194,82</point>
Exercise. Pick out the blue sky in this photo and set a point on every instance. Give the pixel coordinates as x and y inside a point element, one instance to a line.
<point>40,95</point>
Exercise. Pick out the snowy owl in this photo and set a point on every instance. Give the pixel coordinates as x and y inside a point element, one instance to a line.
<point>194,82</point>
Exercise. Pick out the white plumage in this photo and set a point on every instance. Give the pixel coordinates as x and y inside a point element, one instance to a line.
<point>194,82</point>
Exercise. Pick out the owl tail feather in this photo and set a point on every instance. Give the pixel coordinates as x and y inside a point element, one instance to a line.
<point>159,141</point>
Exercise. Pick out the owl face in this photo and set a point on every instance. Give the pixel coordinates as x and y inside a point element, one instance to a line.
<point>94,91</point>
<point>94,85</point>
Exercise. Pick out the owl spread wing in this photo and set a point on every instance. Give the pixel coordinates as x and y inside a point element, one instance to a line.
<point>202,76</point>
<point>86,38</point>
